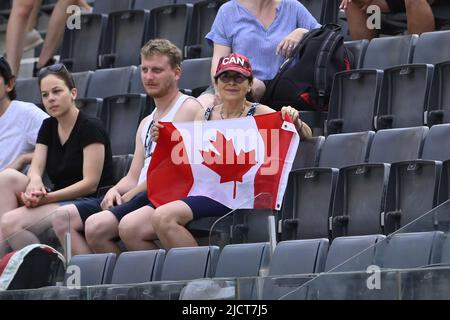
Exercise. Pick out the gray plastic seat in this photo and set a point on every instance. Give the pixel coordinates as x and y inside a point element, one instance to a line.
<point>75,54</point>
<point>404,96</point>
<point>195,75</point>
<point>190,263</point>
<point>310,192</point>
<point>121,115</point>
<point>90,106</point>
<point>361,191</point>
<point>354,101</point>
<point>400,50</point>
<point>126,33</point>
<point>81,80</point>
<point>439,101</point>
<point>101,86</point>
<point>94,269</point>
<point>149,5</point>
<point>28,90</point>
<point>433,47</point>
<point>352,253</point>
<point>410,250</point>
<point>121,165</point>
<point>136,85</point>
<point>108,6</point>
<point>358,49</point>
<point>138,266</point>
<point>308,153</point>
<point>171,22</point>
<point>243,260</point>
<point>296,257</point>
<point>203,15</point>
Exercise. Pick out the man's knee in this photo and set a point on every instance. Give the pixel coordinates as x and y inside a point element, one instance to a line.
<point>99,227</point>
<point>9,224</point>
<point>413,4</point>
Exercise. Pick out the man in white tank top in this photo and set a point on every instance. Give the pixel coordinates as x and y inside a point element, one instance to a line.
<point>99,218</point>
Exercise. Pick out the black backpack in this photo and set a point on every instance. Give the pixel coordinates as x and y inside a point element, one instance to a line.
<point>304,80</point>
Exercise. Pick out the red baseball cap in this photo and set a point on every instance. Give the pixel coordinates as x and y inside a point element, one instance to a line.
<point>234,62</point>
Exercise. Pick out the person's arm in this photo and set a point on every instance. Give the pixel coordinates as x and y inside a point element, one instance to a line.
<point>142,187</point>
<point>302,127</point>
<point>21,161</point>
<point>287,45</point>
<point>36,189</point>
<point>93,159</point>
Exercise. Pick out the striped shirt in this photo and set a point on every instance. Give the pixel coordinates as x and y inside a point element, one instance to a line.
<point>237,28</point>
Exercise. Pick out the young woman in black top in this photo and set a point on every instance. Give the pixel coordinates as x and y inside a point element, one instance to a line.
<point>71,148</point>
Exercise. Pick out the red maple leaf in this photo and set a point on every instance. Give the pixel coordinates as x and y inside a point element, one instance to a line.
<point>226,163</point>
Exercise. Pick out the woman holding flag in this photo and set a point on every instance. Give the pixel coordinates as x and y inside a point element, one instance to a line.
<point>233,79</point>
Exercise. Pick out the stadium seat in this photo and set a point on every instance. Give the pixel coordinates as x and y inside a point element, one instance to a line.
<point>75,54</point>
<point>404,96</point>
<point>108,6</point>
<point>360,194</point>
<point>304,216</point>
<point>138,266</point>
<point>121,165</point>
<point>94,269</point>
<point>353,101</point>
<point>400,50</point>
<point>81,80</point>
<point>126,33</point>
<point>439,101</point>
<point>296,257</point>
<point>352,253</point>
<point>27,90</point>
<point>171,22</point>
<point>433,47</point>
<point>150,5</point>
<point>410,250</point>
<point>136,85</point>
<point>358,49</point>
<point>121,115</point>
<point>90,106</point>
<point>190,263</point>
<point>195,76</point>
<point>308,153</point>
<point>203,15</point>
<point>101,86</point>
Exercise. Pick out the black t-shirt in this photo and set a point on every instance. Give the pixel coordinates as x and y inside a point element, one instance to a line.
<point>65,162</point>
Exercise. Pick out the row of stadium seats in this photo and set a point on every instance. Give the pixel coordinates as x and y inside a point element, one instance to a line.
<point>154,271</point>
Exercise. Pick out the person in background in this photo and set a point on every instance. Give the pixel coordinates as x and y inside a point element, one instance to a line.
<point>98,219</point>
<point>266,31</point>
<point>73,149</point>
<point>418,12</point>
<point>233,80</point>
<point>19,123</point>
<point>22,17</point>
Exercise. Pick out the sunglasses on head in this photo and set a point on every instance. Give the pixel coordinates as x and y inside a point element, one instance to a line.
<point>227,77</point>
<point>54,68</point>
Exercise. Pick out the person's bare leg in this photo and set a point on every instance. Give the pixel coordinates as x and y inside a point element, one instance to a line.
<point>84,5</point>
<point>32,21</point>
<point>22,226</point>
<point>169,220</point>
<point>67,219</point>
<point>357,22</point>
<point>55,34</point>
<point>101,229</point>
<point>15,34</point>
<point>420,16</point>
<point>136,230</point>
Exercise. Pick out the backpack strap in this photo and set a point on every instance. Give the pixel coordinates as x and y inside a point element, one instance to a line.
<point>324,56</point>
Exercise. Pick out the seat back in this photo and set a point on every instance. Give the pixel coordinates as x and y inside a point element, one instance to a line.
<point>308,153</point>
<point>358,49</point>
<point>432,47</point>
<point>93,269</point>
<point>352,253</point>
<point>81,80</point>
<point>138,266</point>
<point>101,86</point>
<point>190,263</point>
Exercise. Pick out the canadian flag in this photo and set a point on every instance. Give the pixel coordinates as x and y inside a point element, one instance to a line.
<point>231,161</point>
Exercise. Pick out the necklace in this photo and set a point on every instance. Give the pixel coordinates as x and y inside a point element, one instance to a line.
<point>221,112</point>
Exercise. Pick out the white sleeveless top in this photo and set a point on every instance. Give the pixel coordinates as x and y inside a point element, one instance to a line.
<point>149,145</point>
